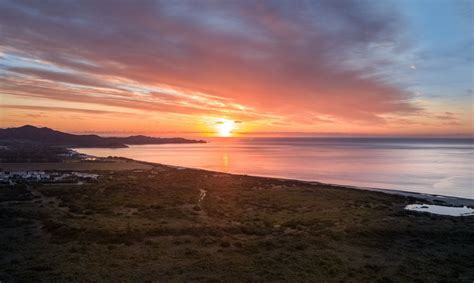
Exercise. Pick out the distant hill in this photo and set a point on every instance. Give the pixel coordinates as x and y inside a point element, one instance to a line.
<point>47,136</point>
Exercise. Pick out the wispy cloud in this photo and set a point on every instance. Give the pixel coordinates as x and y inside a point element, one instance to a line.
<point>242,59</point>
<point>56,109</point>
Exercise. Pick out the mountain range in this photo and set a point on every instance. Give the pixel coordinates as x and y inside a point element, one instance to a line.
<point>47,136</point>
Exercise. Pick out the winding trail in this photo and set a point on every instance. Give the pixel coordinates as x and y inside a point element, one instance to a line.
<point>202,195</point>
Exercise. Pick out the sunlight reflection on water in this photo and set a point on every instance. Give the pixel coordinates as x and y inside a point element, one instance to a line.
<point>443,167</point>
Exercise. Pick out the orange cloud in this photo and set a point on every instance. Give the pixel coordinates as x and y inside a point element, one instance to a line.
<point>276,67</point>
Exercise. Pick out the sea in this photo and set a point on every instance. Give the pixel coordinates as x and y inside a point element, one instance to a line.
<point>431,166</point>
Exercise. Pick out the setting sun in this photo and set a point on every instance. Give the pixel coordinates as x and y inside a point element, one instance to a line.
<point>225,127</point>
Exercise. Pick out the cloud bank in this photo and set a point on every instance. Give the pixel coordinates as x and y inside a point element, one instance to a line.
<point>249,60</point>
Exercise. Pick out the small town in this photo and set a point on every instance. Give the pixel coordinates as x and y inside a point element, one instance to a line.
<point>22,177</point>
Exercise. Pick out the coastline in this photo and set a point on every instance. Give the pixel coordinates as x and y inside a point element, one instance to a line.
<point>116,164</point>
<point>431,198</point>
<point>389,166</point>
<point>148,220</point>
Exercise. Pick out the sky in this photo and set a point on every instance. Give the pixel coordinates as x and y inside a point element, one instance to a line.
<point>239,68</point>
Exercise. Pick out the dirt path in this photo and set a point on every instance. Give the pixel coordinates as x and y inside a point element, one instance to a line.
<point>202,195</point>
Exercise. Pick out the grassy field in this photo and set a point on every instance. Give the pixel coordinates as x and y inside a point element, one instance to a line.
<point>74,166</point>
<point>168,224</point>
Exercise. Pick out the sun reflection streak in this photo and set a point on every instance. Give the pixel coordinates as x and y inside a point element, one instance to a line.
<point>225,161</point>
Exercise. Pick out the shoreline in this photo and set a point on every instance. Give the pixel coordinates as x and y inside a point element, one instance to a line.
<point>432,198</point>
<point>437,199</point>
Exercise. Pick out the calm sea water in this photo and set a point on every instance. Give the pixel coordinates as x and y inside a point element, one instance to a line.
<point>434,166</point>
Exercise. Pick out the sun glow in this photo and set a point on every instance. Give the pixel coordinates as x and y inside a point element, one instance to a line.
<point>225,127</point>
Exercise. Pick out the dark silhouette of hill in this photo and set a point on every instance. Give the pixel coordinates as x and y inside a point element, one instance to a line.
<point>47,136</point>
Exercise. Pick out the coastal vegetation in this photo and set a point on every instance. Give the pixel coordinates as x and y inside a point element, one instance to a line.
<point>174,224</point>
